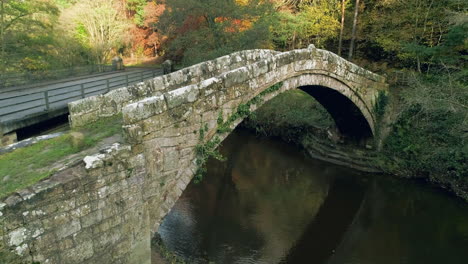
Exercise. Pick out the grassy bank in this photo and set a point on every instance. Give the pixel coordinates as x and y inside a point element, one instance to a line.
<point>26,166</point>
<point>290,115</point>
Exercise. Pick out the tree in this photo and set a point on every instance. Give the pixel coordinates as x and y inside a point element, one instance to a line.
<point>312,22</point>
<point>353,34</point>
<point>136,10</point>
<point>145,37</point>
<point>413,33</point>
<point>23,26</point>
<point>99,25</point>
<point>205,29</point>
<point>340,42</point>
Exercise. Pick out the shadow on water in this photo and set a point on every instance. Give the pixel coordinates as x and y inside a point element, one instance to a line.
<point>268,203</point>
<point>336,214</point>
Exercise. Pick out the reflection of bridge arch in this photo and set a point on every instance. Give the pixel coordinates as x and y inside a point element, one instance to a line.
<point>163,128</point>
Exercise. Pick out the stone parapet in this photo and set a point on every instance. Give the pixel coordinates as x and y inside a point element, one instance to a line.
<point>296,68</point>
<point>92,108</point>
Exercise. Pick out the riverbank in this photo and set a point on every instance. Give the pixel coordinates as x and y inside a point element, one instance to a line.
<point>297,118</point>
<point>428,148</point>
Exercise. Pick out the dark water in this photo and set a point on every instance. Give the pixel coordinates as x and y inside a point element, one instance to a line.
<point>268,203</point>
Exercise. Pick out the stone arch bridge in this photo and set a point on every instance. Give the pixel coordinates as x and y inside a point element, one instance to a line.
<point>166,128</point>
<point>120,195</point>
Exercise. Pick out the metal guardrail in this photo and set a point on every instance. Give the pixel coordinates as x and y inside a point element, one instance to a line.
<point>25,78</point>
<point>16,105</point>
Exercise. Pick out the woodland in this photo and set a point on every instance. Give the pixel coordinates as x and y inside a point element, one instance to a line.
<point>420,45</point>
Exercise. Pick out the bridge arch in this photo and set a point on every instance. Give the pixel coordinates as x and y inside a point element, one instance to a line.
<point>166,128</point>
<point>350,113</point>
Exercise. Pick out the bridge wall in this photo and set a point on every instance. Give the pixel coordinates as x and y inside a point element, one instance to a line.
<point>94,212</point>
<point>92,108</point>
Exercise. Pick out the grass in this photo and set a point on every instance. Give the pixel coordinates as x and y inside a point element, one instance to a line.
<point>26,166</point>
<point>289,115</point>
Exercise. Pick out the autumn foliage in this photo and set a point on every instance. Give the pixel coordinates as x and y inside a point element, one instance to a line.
<point>145,39</point>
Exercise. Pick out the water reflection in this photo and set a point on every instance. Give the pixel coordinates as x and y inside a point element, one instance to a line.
<point>269,204</point>
<point>403,222</point>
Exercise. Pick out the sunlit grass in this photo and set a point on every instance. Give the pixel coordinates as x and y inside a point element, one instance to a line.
<point>26,166</point>
<point>290,113</point>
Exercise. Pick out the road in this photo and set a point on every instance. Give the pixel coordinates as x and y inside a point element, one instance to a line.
<point>23,106</point>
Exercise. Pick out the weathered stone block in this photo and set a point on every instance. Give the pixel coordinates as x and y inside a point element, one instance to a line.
<point>284,58</point>
<point>68,228</point>
<point>91,218</point>
<point>187,94</point>
<point>171,159</point>
<point>235,77</point>
<point>46,243</point>
<point>86,105</point>
<point>143,109</point>
<point>65,244</point>
<point>109,237</point>
<point>78,254</point>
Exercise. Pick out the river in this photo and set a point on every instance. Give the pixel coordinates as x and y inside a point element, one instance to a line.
<point>270,203</point>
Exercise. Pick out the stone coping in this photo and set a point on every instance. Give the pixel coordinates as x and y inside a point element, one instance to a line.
<point>28,142</point>
<point>92,108</point>
<point>153,105</point>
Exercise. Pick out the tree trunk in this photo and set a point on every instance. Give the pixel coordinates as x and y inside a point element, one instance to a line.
<point>2,30</point>
<point>294,40</point>
<point>353,34</point>
<point>340,43</point>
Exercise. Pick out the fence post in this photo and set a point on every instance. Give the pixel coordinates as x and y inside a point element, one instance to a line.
<point>46,98</point>
<point>107,84</point>
<point>82,90</point>
<point>141,74</point>
<point>126,78</point>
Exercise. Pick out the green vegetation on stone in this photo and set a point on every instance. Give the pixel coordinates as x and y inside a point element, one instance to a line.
<point>380,105</point>
<point>204,151</point>
<point>26,166</point>
<point>243,110</point>
<point>166,255</point>
<point>426,37</point>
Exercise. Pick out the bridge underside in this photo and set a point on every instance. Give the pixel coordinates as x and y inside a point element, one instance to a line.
<point>348,117</point>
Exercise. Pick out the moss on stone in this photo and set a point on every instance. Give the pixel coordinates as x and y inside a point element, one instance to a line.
<point>26,166</point>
